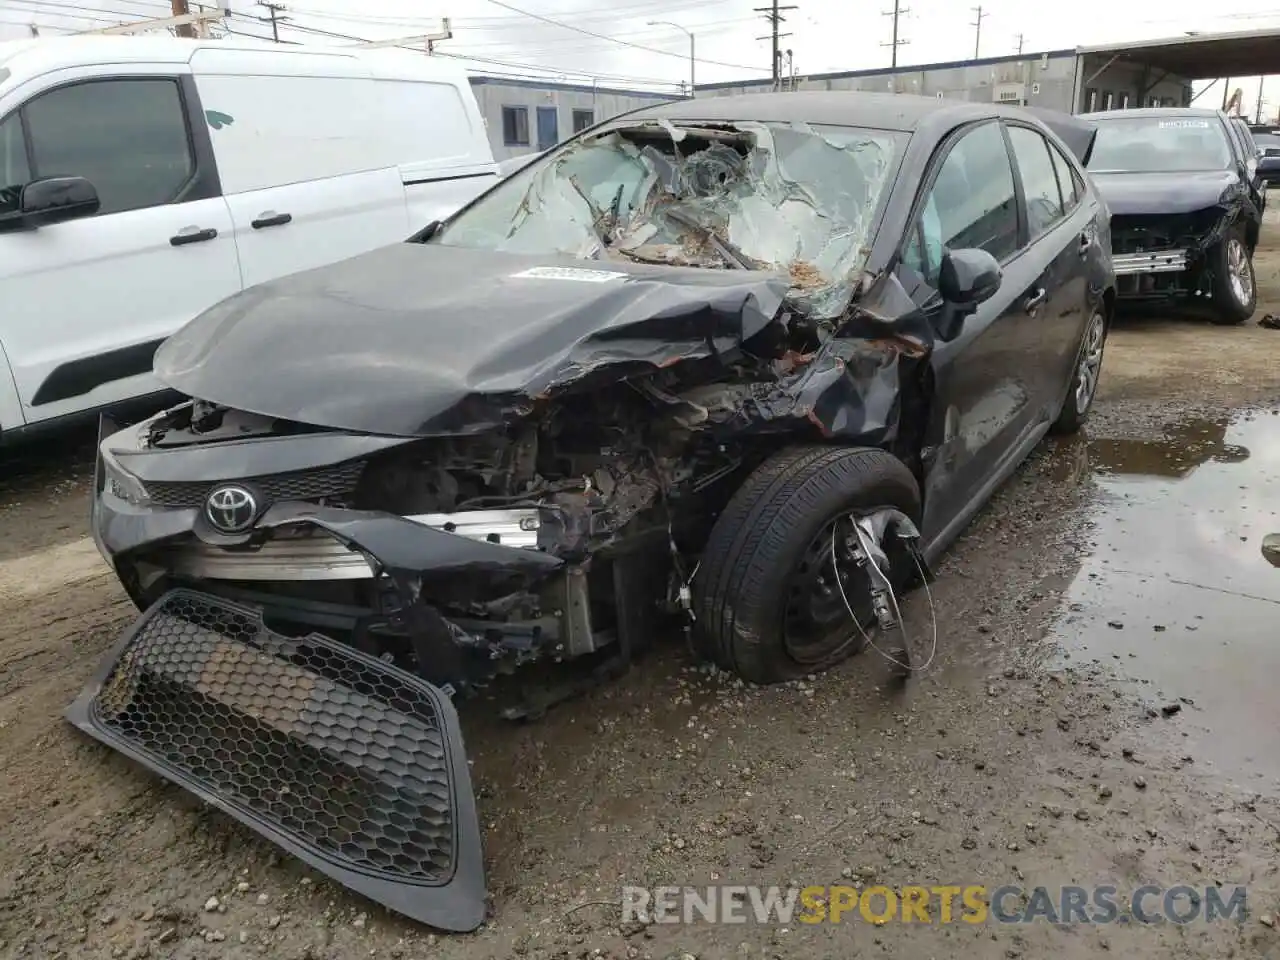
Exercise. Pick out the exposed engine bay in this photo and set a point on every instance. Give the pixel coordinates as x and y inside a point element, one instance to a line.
<point>617,486</point>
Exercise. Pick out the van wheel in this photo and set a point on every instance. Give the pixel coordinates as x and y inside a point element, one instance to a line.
<point>769,607</point>
<point>1235,294</point>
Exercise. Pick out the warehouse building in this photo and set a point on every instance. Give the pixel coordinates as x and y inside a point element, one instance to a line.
<point>528,116</point>
<point>1115,76</point>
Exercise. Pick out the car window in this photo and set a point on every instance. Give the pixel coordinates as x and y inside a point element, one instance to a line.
<point>1039,180</point>
<point>14,172</point>
<point>126,137</point>
<point>1068,183</point>
<point>970,204</point>
<point>1159,144</point>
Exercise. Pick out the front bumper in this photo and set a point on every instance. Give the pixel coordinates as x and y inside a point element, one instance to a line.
<point>345,761</point>
<point>352,764</point>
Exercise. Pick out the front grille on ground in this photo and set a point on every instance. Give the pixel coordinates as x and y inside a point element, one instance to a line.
<point>334,481</point>
<point>351,763</point>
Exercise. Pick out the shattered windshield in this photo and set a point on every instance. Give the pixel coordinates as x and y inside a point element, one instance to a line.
<point>1160,145</point>
<point>795,197</point>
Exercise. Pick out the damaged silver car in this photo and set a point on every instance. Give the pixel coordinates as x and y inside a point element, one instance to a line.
<point>744,365</point>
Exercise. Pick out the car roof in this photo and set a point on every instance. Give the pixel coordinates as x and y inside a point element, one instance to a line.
<point>885,111</point>
<point>1140,112</point>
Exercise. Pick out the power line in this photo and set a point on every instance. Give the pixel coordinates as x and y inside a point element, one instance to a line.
<point>976,23</point>
<point>624,43</point>
<point>896,13</point>
<point>612,78</point>
<point>774,16</point>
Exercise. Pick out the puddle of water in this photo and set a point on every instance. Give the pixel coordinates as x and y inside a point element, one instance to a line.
<point>1175,586</point>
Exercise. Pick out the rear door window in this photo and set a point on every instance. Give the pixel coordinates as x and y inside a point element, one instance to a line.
<point>1039,180</point>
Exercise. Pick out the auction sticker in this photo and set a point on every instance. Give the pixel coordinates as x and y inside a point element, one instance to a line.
<point>1184,124</point>
<point>568,273</point>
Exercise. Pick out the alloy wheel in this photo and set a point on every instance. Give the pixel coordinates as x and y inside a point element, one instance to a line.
<point>1240,272</point>
<point>1090,362</point>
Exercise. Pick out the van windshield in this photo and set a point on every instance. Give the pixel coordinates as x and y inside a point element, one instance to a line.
<point>799,198</point>
<point>1159,145</point>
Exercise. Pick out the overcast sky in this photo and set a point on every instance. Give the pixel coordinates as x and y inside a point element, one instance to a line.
<point>826,35</point>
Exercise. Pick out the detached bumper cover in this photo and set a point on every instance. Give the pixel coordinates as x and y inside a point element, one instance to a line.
<point>347,762</point>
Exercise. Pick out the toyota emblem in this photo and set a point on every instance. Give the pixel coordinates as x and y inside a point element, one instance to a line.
<point>231,509</point>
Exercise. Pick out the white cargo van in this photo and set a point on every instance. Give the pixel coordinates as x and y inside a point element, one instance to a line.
<point>144,179</point>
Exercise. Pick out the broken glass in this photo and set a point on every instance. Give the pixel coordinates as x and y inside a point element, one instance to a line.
<point>791,197</point>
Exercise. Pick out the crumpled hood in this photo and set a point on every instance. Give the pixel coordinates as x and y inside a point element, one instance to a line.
<point>419,339</point>
<point>1147,193</point>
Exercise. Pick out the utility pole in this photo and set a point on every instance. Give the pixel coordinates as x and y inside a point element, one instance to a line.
<point>274,11</point>
<point>896,12</point>
<point>35,31</point>
<point>774,16</point>
<point>180,9</point>
<point>977,25</point>
<point>1257,114</point>
<point>1020,38</point>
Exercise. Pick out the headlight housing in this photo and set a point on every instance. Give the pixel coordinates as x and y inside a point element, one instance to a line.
<point>120,483</point>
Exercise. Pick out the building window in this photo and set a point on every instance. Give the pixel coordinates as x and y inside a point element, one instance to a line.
<point>515,126</point>
<point>1090,100</point>
<point>1108,100</point>
<point>583,119</point>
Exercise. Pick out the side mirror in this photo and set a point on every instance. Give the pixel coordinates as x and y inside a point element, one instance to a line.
<point>1251,167</point>
<point>54,199</point>
<point>968,277</point>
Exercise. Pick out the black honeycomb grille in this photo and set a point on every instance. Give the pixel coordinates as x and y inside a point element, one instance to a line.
<point>338,751</point>
<point>335,481</point>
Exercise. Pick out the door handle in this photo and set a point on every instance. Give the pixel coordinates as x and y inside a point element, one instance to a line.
<point>1036,300</point>
<point>192,235</point>
<point>271,219</point>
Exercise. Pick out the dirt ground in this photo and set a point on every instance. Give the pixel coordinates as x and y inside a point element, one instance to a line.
<point>1101,710</point>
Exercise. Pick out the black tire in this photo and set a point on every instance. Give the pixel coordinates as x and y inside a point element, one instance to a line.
<point>1080,396</point>
<point>743,588</point>
<point>1232,307</point>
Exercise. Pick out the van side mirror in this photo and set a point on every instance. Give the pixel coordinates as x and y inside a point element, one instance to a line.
<point>968,277</point>
<point>54,199</point>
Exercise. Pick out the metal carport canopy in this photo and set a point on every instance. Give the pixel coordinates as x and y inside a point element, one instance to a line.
<point>1203,56</point>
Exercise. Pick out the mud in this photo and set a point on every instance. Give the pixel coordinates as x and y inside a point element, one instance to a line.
<point>1044,746</point>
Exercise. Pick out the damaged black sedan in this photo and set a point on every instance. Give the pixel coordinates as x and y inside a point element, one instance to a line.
<point>1186,208</point>
<point>746,364</point>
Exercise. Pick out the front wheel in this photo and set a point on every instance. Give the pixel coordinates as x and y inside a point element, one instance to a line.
<point>1235,294</point>
<point>778,591</point>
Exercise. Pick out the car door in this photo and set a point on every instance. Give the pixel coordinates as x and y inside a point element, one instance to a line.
<point>85,302</point>
<point>986,376</point>
<point>1060,234</point>
<point>303,160</point>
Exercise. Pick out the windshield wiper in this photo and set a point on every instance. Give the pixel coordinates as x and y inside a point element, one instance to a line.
<point>727,251</point>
